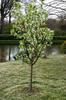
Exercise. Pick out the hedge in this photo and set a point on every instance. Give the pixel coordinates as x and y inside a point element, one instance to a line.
<point>9,42</point>
<point>7,37</point>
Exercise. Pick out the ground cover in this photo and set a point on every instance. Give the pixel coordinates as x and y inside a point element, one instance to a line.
<point>49,80</point>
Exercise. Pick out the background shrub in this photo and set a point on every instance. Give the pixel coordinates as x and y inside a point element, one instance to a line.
<point>63,47</point>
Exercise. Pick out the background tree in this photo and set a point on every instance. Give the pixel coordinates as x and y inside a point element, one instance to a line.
<point>56,8</point>
<point>5,9</point>
<point>33,33</point>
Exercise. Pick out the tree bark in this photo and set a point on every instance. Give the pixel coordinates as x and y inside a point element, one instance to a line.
<point>31,77</point>
<point>9,17</point>
<point>2,16</point>
<point>9,53</point>
<point>2,23</point>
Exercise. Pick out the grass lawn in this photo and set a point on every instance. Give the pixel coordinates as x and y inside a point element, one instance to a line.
<point>49,78</point>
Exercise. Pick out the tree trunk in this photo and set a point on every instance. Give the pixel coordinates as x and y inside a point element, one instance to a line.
<point>9,17</point>
<point>31,77</point>
<point>2,23</point>
<point>2,16</point>
<point>9,53</point>
<point>9,21</point>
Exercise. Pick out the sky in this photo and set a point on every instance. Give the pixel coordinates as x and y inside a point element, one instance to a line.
<point>47,1</point>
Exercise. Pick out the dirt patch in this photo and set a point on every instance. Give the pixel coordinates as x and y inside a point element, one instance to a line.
<point>23,90</point>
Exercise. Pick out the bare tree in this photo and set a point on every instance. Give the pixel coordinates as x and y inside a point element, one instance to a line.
<point>6,6</point>
<point>57,8</point>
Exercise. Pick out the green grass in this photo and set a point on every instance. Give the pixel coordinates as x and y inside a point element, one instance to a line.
<point>49,77</point>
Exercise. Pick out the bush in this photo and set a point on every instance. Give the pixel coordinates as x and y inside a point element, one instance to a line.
<point>63,47</point>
